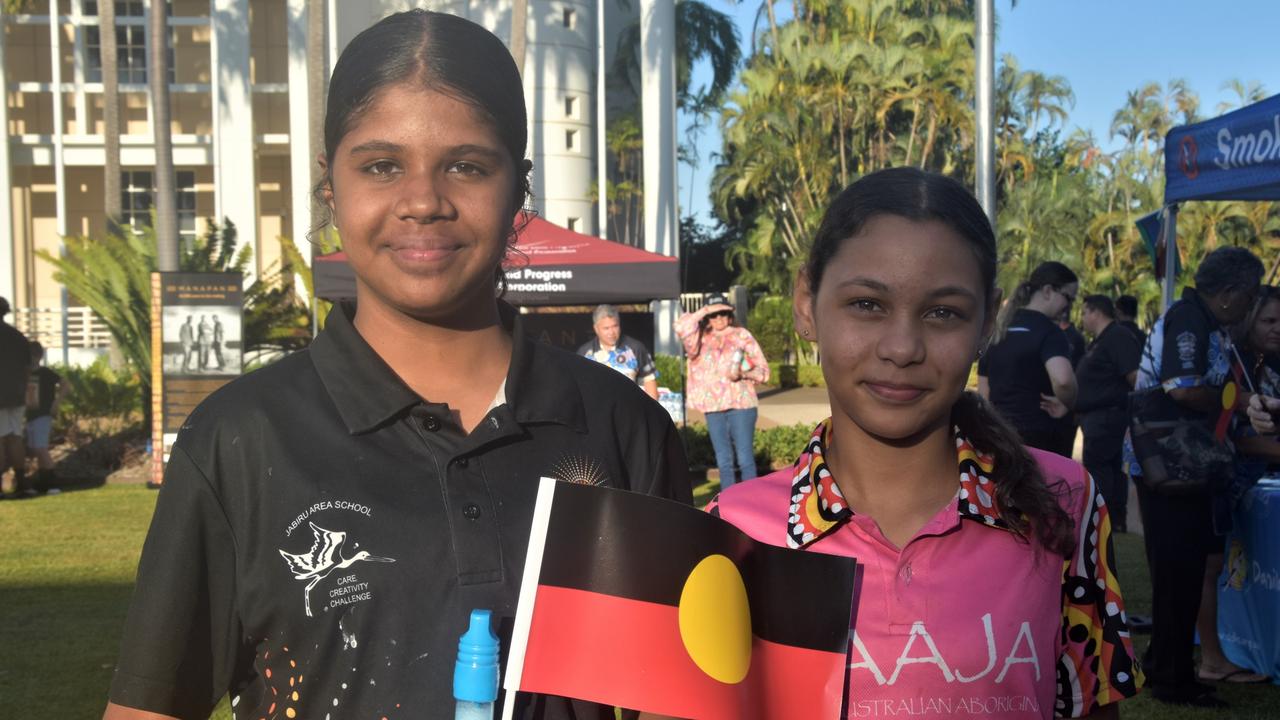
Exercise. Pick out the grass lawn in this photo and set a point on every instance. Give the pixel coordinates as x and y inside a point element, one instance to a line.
<point>66,569</point>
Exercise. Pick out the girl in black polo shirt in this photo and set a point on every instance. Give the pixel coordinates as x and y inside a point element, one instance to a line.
<point>327,523</point>
<point>1027,368</point>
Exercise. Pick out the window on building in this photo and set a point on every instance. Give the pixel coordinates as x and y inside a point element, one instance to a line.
<point>571,106</point>
<point>570,18</point>
<point>137,196</point>
<point>572,224</point>
<point>131,46</point>
<point>571,140</point>
<point>129,8</point>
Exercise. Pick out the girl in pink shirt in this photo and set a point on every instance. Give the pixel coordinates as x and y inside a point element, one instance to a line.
<point>988,586</point>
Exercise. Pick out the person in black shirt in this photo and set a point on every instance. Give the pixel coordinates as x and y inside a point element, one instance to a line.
<point>327,523</point>
<point>1105,376</point>
<point>1028,360</point>
<point>15,368</point>
<point>43,395</point>
<point>1127,316</point>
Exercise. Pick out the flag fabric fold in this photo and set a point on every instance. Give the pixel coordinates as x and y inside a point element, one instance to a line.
<point>650,605</point>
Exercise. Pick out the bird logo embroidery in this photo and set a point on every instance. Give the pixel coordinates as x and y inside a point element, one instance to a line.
<point>324,557</point>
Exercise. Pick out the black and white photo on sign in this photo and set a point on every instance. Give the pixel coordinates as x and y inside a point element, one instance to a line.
<point>202,340</point>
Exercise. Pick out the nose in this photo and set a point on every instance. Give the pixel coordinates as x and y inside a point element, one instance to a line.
<point>902,342</point>
<point>423,198</point>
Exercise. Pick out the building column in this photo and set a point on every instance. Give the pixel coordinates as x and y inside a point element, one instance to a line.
<point>299,128</point>
<point>7,263</point>
<point>658,124</point>
<point>59,164</point>
<point>235,162</point>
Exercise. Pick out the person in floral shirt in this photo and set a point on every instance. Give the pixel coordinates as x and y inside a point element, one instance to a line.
<point>725,365</point>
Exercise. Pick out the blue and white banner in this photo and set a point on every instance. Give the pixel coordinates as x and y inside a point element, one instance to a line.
<point>1232,157</point>
<point>1249,589</point>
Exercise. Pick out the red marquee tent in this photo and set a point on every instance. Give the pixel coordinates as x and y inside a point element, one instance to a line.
<point>551,266</point>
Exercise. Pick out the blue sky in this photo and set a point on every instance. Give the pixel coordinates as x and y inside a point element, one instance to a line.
<point>1104,48</point>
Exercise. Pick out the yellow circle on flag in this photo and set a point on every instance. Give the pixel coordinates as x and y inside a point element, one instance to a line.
<point>1229,396</point>
<point>715,619</point>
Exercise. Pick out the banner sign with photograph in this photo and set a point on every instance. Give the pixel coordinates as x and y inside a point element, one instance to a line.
<point>197,346</point>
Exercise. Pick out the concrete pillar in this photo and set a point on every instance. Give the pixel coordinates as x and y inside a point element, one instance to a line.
<point>7,232</point>
<point>300,159</point>
<point>658,123</point>
<point>234,164</point>
<point>601,130</point>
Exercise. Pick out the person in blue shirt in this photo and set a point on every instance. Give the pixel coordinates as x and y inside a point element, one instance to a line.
<point>624,354</point>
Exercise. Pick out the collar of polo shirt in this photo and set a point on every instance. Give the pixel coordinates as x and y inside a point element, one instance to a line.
<point>537,390</point>
<point>817,507</point>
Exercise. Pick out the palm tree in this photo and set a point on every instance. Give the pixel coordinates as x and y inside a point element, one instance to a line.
<point>166,204</point>
<point>1246,94</point>
<point>702,33</point>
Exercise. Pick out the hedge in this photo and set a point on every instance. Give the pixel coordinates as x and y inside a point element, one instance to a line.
<point>773,447</point>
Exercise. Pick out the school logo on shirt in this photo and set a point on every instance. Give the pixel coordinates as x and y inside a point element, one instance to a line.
<point>1187,350</point>
<point>325,557</point>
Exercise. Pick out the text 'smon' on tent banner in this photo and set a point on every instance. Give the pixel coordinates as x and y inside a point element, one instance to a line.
<point>1232,157</point>
<point>647,604</point>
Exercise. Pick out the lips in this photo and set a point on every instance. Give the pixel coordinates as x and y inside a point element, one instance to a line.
<point>894,392</point>
<point>424,254</point>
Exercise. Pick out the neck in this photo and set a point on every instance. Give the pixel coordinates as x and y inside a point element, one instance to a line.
<point>1105,324</point>
<point>459,363</point>
<point>1039,305</point>
<point>900,484</point>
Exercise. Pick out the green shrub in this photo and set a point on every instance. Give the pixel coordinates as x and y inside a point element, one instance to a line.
<point>670,372</point>
<point>779,446</point>
<point>771,323</point>
<point>697,445</point>
<point>811,376</point>
<point>772,447</point>
<point>97,400</point>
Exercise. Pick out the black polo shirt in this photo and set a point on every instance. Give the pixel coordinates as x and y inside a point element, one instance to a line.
<point>15,366</point>
<point>323,532</point>
<point>1101,373</point>
<point>1014,368</point>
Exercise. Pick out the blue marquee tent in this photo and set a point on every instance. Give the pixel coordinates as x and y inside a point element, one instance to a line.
<point>1232,157</point>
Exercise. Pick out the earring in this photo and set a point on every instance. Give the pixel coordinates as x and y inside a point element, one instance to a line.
<point>981,352</point>
<point>804,333</point>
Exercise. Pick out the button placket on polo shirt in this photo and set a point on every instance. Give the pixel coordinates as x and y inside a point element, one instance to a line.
<point>477,544</point>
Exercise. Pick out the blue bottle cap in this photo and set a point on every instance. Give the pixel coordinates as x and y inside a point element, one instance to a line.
<point>475,675</point>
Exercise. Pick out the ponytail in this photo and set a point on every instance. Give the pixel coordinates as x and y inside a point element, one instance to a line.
<point>1026,501</point>
<point>1018,300</point>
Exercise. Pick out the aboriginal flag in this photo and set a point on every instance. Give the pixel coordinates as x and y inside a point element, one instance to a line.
<point>646,604</point>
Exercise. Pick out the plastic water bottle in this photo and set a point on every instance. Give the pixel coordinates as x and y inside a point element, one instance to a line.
<point>475,675</point>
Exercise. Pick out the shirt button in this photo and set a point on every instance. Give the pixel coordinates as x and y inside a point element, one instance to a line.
<point>429,423</point>
<point>462,462</point>
<point>906,573</point>
<point>471,511</point>
<point>493,423</point>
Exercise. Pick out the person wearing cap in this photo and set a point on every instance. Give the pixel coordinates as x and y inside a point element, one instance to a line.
<point>725,365</point>
<point>620,352</point>
<point>15,368</point>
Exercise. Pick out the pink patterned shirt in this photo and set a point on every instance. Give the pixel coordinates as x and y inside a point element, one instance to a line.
<point>967,619</point>
<point>709,387</point>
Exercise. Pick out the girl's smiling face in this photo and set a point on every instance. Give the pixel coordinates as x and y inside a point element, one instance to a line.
<point>423,193</point>
<point>1264,336</point>
<point>899,316</point>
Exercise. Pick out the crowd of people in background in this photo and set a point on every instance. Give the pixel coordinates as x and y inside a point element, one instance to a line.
<point>1223,331</point>
<point>29,395</point>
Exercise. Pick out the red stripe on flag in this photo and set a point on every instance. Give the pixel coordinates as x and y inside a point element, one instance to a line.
<point>629,653</point>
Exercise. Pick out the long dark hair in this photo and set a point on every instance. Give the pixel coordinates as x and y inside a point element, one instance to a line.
<point>440,52</point>
<point>1028,504</point>
<point>1051,273</point>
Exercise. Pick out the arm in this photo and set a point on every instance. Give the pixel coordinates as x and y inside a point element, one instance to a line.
<point>651,388</point>
<point>759,371</point>
<point>1257,446</point>
<point>687,328</point>
<point>1206,399</point>
<point>120,712</point>
<point>1063,379</point>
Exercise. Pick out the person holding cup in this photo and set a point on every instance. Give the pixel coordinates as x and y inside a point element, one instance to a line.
<point>725,365</point>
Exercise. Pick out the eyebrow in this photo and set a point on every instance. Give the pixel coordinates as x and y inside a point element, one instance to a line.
<point>386,146</point>
<point>944,291</point>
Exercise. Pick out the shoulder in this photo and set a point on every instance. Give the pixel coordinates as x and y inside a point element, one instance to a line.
<point>636,346</point>
<point>759,507</point>
<point>602,388</point>
<point>586,347</point>
<point>1066,478</point>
